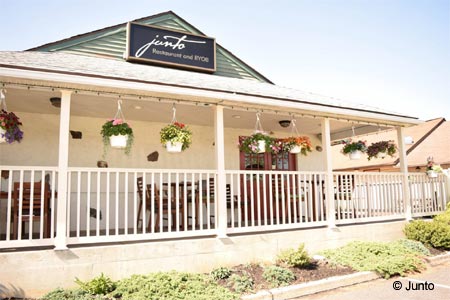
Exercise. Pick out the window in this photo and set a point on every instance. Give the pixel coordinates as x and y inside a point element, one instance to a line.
<point>283,161</point>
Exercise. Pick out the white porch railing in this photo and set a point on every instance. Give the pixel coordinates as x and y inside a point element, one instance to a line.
<point>428,195</point>
<point>28,202</point>
<point>362,197</point>
<point>269,200</point>
<point>107,205</point>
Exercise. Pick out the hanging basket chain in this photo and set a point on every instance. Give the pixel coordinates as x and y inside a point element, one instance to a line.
<point>119,113</point>
<point>258,126</point>
<point>3,100</point>
<point>174,114</point>
<point>294,131</point>
<point>353,131</point>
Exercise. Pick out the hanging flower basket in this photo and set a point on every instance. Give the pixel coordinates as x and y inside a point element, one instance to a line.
<point>9,127</point>
<point>354,149</point>
<point>174,147</point>
<point>117,134</point>
<point>9,123</point>
<point>432,174</point>
<point>259,143</point>
<point>433,169</point>
<point>176,137</point>
<point>381,149</point>
<point>297,144</point>
<point>118,141</point>
<point>355,155</point>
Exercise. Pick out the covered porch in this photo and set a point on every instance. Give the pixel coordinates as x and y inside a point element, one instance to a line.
<point>211,189</point>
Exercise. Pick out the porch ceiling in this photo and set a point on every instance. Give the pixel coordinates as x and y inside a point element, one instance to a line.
<point>101,106</point>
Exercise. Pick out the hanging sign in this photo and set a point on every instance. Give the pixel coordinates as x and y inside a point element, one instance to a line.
<point>150,44</point>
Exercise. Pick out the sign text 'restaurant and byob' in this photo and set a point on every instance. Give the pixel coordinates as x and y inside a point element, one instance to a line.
<point>167,47</point>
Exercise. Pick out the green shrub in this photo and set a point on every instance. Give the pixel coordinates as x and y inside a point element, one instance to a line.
<point>294,258</point>
<point>419,231</point>
<point>435,233</point>
<point>444,217</point>
<point>387,259</point>
<point>62,294</point>
<point>171,285</point>
<point>100,285</point>
<point>221,273</point>
<point>240,283</point>
<point>278,276</point>
<point>441,236</point>
<point>414,246</point>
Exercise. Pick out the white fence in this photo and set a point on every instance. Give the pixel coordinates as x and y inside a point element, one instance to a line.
<point>27,211</point>
<point>362,197</point>
<point>269,200</point>
<point>428,195</point>
<point>118,204</point>
<point>110,205</point>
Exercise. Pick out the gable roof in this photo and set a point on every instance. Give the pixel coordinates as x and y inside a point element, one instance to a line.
<point>110,42</point>
<point>436,144</point>
<point>431,138</point>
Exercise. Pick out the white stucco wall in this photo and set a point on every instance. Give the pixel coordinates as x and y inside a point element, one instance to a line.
<point>39,146</point>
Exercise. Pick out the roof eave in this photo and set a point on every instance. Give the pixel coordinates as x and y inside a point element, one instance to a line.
<point>75,80</point>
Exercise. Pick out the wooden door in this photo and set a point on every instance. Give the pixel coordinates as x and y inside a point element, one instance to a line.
<point>252,186</point>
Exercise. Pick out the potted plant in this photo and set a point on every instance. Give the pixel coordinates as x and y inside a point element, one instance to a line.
<point>258,142</point>
<point>381,149</point>
<point>9,127</point>
<point>176,137</point>
<point>432,168</point>
<point>297,144</point>
<point>117,134</point>
<point>354,149</point>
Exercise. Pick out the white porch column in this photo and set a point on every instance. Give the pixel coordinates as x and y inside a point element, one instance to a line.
<point>63,163</point>
<point>404,170</point>
<point>221,193</point>
<point>329,193</point>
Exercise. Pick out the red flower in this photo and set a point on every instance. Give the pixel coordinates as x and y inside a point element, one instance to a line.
<point>180,125</point>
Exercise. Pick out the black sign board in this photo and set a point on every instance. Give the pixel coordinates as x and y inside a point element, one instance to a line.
<point>168,47</point>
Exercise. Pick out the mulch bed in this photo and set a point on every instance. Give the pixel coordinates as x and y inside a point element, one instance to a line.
<point>435,251</point>
<point>315,271</point>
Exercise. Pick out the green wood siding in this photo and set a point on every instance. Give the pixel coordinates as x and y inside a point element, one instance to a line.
<point>111,42</point>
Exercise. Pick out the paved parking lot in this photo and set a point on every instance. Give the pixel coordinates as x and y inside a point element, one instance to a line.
<point>433,283</point>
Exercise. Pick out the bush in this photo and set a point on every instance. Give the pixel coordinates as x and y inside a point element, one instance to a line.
<point>241,283</point>
<point>441,237</point>
<point>414,246</point>
<point>100,285</point>
<point>221,273</point>
<point>419,231</point>
<point>278,276</point>
<point>61,294</point>
<point>171,285</point>
<point>387,259</point>
<point>435,233</point>
<point>294,258</point>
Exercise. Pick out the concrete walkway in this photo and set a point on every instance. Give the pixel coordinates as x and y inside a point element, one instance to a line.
<point>433,283</point>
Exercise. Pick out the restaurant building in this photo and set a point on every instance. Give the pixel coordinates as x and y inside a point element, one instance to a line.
<point>68,207</point>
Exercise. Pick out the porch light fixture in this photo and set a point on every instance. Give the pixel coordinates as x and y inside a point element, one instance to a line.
<point>409,140</point>
<point>55,101</point>
<point>284,123</point>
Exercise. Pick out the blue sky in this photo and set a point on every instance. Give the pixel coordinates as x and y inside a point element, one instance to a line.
<point>391,54</point>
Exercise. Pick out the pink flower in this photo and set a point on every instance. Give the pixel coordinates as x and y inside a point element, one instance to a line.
<point>117,122</point>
